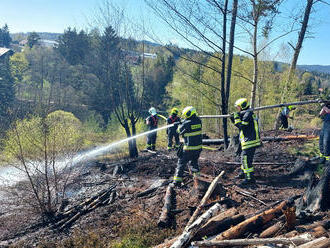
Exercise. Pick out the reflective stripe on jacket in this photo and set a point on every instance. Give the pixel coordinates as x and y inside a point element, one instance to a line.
<point>191,130</point>
<point>249,134</point>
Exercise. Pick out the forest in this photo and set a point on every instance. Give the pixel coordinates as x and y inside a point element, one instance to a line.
<point>95,86</point>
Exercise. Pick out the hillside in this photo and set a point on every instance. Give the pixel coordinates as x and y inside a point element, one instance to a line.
<point>138,187</point>
<point>315,68</point>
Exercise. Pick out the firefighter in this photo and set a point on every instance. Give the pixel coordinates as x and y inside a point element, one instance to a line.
<point>324,142</point>
<point>191,130</point>
<point>152,123</point>
<point>247,123</point>
<point>283,118</point>
<point>171,131</point>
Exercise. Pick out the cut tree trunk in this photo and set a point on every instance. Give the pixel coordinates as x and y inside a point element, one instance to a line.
<point>166,215</point>
<point>205,198</point>
<point>272,230</point>
<point>252,223</point>
<point>218,224</point>
<point>235,242</point>
<point>322,242</point>
<point>190,231</point>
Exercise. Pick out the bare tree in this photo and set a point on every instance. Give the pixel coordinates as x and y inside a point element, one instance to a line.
<point>203,26</point>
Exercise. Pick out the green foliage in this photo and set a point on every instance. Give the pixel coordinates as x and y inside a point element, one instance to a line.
<point>33,39</point>
<point>74,46</point>
<point>5,38</point>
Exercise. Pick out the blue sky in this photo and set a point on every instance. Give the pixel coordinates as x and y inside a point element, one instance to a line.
<point>57,15</point>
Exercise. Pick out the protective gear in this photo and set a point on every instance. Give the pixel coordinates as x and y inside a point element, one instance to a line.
<point>172,131</point>
<point>174,111</point>
<point>242,103</point>
<point>188,112</point>
<point>191,131</point>
<point>152,111</point>
<point>152,122</point>
<point>236,115</point>
<point>248,130</point>
<point>291,107</point>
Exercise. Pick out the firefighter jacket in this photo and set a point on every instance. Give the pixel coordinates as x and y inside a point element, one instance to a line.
<point>172,119</point>
<point>191,130</point>
<point>152,121</point>
<point>247,123</point>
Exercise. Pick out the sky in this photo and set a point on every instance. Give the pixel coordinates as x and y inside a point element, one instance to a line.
<point>57,15</point>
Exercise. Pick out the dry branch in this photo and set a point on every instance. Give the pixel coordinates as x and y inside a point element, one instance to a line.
<point>205,198</point>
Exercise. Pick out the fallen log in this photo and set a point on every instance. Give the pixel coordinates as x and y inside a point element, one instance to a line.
<point>272,230</point>
<point>322,242</point>
<point>166,215</point>
<point>264,139</point>
<point>285,241</point>
<point>205,198</point>
<point>153,188</point>
<point>251,223</point>
<point>219,223</point>
<point>190,231</point>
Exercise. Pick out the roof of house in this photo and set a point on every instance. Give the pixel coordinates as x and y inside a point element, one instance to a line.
<point>4,50</point>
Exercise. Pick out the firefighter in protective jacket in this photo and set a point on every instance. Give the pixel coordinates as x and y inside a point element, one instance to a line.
<point>249,136</point>
<point>191,130</point>
<point>152,123</point>
<point>171,131</point>
<point>324,142</point>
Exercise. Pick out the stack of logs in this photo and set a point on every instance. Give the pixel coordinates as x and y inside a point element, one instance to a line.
<point>69,216</point>
<point>226,227</point>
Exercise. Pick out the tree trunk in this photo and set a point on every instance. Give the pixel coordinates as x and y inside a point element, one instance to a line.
<point>255,66</point>
<point>301,37</point>
<point>230,63</point>
<point>223,69</point>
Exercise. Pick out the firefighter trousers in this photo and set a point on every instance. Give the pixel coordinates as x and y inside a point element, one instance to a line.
<point>324,142</point>
<point>247,162</point>
<point>171,135</point>
<point>151,140</point>
<point>187,156</point>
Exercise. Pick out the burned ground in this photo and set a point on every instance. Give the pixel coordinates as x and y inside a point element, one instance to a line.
<point>133,206</point>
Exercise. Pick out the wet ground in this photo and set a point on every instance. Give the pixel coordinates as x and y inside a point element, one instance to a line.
<point>133,176</point>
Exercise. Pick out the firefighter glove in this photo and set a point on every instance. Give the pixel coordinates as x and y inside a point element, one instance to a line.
<point>232,117</point>
<point>236,115</point>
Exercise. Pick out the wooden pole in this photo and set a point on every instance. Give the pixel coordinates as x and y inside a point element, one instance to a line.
<point>268,107</point>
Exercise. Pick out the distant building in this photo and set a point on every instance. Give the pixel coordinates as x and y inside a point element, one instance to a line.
<point>5,53</point>
<point>149,55</point>
<point>48,43</point>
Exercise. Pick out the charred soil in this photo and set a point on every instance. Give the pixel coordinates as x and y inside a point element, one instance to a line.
<point>133,197</point>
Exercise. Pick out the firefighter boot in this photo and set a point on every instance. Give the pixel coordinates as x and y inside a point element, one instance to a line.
<point>240,175</point>
<point>248,181</point>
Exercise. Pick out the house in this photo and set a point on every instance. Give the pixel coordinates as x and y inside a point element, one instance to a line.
<point>5,52</point>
